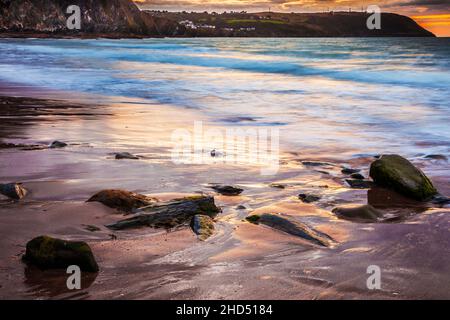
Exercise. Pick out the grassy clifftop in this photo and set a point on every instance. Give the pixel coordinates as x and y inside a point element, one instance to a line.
<point>272,24</point>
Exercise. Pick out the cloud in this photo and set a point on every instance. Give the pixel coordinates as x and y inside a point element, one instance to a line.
<point>295,5</point>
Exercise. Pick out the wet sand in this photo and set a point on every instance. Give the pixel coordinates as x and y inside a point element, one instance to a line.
<point>241,261</point>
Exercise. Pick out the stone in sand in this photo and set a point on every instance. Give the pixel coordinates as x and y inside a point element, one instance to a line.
<point>170,214</point>
<point>122,200</point>
<point>203,226</point>
<point>50,253</point>
<point>228,190</point>
<point>293,227</point>
<point>57,144</point>
<point>277,186</point>
<point>397,173</point>
<point>357,176</point>
<point>359,184</point>
<point>317,164</point>
<point>436,157</point>
<point>363,213</point>
<point>349,171</point>
<point>126,155</point>
<point>308,198</point>
<point>13,190</point>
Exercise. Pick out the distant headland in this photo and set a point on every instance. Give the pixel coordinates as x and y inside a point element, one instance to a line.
<point>123,19</point>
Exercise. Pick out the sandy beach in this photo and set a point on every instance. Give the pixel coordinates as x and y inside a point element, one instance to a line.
<point>241,260</point>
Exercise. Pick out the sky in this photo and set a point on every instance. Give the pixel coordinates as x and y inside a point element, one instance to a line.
<point>434,15</point>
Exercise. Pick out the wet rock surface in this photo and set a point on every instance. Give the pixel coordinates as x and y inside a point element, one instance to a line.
<point>57,145</point>
<point>122,200</point>
<point>292,226</point>
<point>400,175</point>
<point>203,226</point>
<point>308,198</point>
<point>361,213</point>
<point>227,190</point>
<point>126,155</point>
<point>170,214</point>
<point>350,171</point>
<point>359,184</point>
<point>51,253</point>
<point>13,191</point>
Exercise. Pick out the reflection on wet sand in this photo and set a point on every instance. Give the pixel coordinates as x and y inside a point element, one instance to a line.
<point>53,283</point>
<point>241,260</point>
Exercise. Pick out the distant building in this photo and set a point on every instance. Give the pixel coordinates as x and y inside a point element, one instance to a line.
<point>188,24</point>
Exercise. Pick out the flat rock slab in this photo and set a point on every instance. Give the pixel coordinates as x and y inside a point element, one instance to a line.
<point>169,214</point>
<point>358,213</point>
<point>293,227</point>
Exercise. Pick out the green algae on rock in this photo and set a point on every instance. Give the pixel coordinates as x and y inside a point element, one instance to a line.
<point>397,173</point>
<point>122,200</point>
<point>50,253</point>
<point>203,226</point>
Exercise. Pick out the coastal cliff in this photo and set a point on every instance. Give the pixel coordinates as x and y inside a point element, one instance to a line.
<point>114,18</point>
<point>277,24</point>
<point>123,18</point>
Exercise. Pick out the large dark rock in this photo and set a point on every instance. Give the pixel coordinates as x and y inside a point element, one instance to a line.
<point>13,190</point>
<point>362,213</point>
<point>50,253</point>
<point>122,200</point>
<point>292,226</point>
<point>110,17</point>
<point>170,214</point>
<point>203,226</point>
<point>400,175</point>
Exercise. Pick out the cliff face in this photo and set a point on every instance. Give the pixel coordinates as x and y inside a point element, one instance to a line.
<point>114,17</point>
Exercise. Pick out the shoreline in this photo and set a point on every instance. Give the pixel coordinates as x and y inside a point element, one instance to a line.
<point>240,260</point>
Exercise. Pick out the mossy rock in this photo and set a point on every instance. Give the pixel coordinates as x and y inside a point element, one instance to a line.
<point>203,226</point>
<point>253,219</point>
<point>50,253</point>
<point>122,200</point>
<point>397,173</point>
<point>361,213</point>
